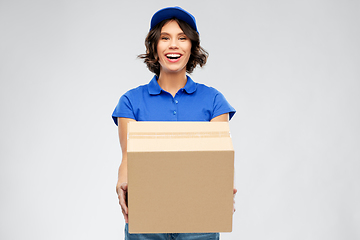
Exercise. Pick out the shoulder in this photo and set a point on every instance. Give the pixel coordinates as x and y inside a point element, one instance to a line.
<point>211,93</point>
<point>204,89</point>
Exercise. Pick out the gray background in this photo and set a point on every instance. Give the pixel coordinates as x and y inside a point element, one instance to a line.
<point>290,68</point>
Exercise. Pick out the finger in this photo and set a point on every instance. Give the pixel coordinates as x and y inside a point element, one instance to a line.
<point>124,186</point>
<point>123,198</point>
<point>126,217</point>
<point>122,201</point>
<point>123,195</point>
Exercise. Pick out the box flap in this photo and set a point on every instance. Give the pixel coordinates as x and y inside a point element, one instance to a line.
<point>178,136</point>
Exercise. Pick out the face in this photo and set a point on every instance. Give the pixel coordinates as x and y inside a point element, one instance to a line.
<point>173,48</point>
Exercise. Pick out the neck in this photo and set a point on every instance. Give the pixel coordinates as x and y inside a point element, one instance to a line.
<point>172,82</point>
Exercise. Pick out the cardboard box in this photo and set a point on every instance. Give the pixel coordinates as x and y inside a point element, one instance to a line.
<point>180,177</point>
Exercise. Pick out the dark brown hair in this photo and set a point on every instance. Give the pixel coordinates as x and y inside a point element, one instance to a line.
<point>198,54</point>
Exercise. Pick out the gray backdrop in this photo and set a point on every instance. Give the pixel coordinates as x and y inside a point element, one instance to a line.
<point>290,68</point>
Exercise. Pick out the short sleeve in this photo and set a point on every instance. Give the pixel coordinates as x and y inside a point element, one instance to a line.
<point>123,109</point>
<point>222,106</point>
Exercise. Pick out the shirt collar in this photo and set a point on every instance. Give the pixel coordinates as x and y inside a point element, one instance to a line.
<point>155,89</point>
<point>190,85</point>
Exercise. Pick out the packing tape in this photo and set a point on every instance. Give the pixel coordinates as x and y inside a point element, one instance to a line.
<point>148,135</point>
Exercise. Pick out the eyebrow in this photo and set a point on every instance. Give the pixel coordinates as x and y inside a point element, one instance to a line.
<point>170,34</point>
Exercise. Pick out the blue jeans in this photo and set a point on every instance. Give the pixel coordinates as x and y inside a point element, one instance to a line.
<point>171,236</point>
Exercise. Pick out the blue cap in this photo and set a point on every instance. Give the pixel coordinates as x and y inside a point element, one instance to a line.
<point>171,12</point>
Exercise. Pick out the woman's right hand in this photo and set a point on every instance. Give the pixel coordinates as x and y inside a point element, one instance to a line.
<point>122,196</point>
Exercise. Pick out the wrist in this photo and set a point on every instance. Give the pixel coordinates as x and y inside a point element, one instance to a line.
<point>118,188</point>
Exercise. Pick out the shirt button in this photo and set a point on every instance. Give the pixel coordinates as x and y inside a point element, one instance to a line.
<point>174,112</point>
<point>176,101</point>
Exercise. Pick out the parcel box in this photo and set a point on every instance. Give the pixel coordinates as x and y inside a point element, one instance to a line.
<point>180,177</point>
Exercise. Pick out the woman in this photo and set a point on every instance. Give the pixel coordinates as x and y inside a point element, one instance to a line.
<point>172,50</point>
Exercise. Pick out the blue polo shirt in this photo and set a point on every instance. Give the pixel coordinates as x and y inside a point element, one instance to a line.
<point>194,102</point>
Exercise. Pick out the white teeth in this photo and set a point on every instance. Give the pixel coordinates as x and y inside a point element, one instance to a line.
<point>173,55</point>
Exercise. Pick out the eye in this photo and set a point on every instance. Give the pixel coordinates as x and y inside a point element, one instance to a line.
<point>164,38</point>
<point>182,38</point>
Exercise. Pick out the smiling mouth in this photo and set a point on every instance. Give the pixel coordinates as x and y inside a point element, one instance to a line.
<point>173,56</point>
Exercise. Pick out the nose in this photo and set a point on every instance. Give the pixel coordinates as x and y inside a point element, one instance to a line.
<point>173,44</point>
